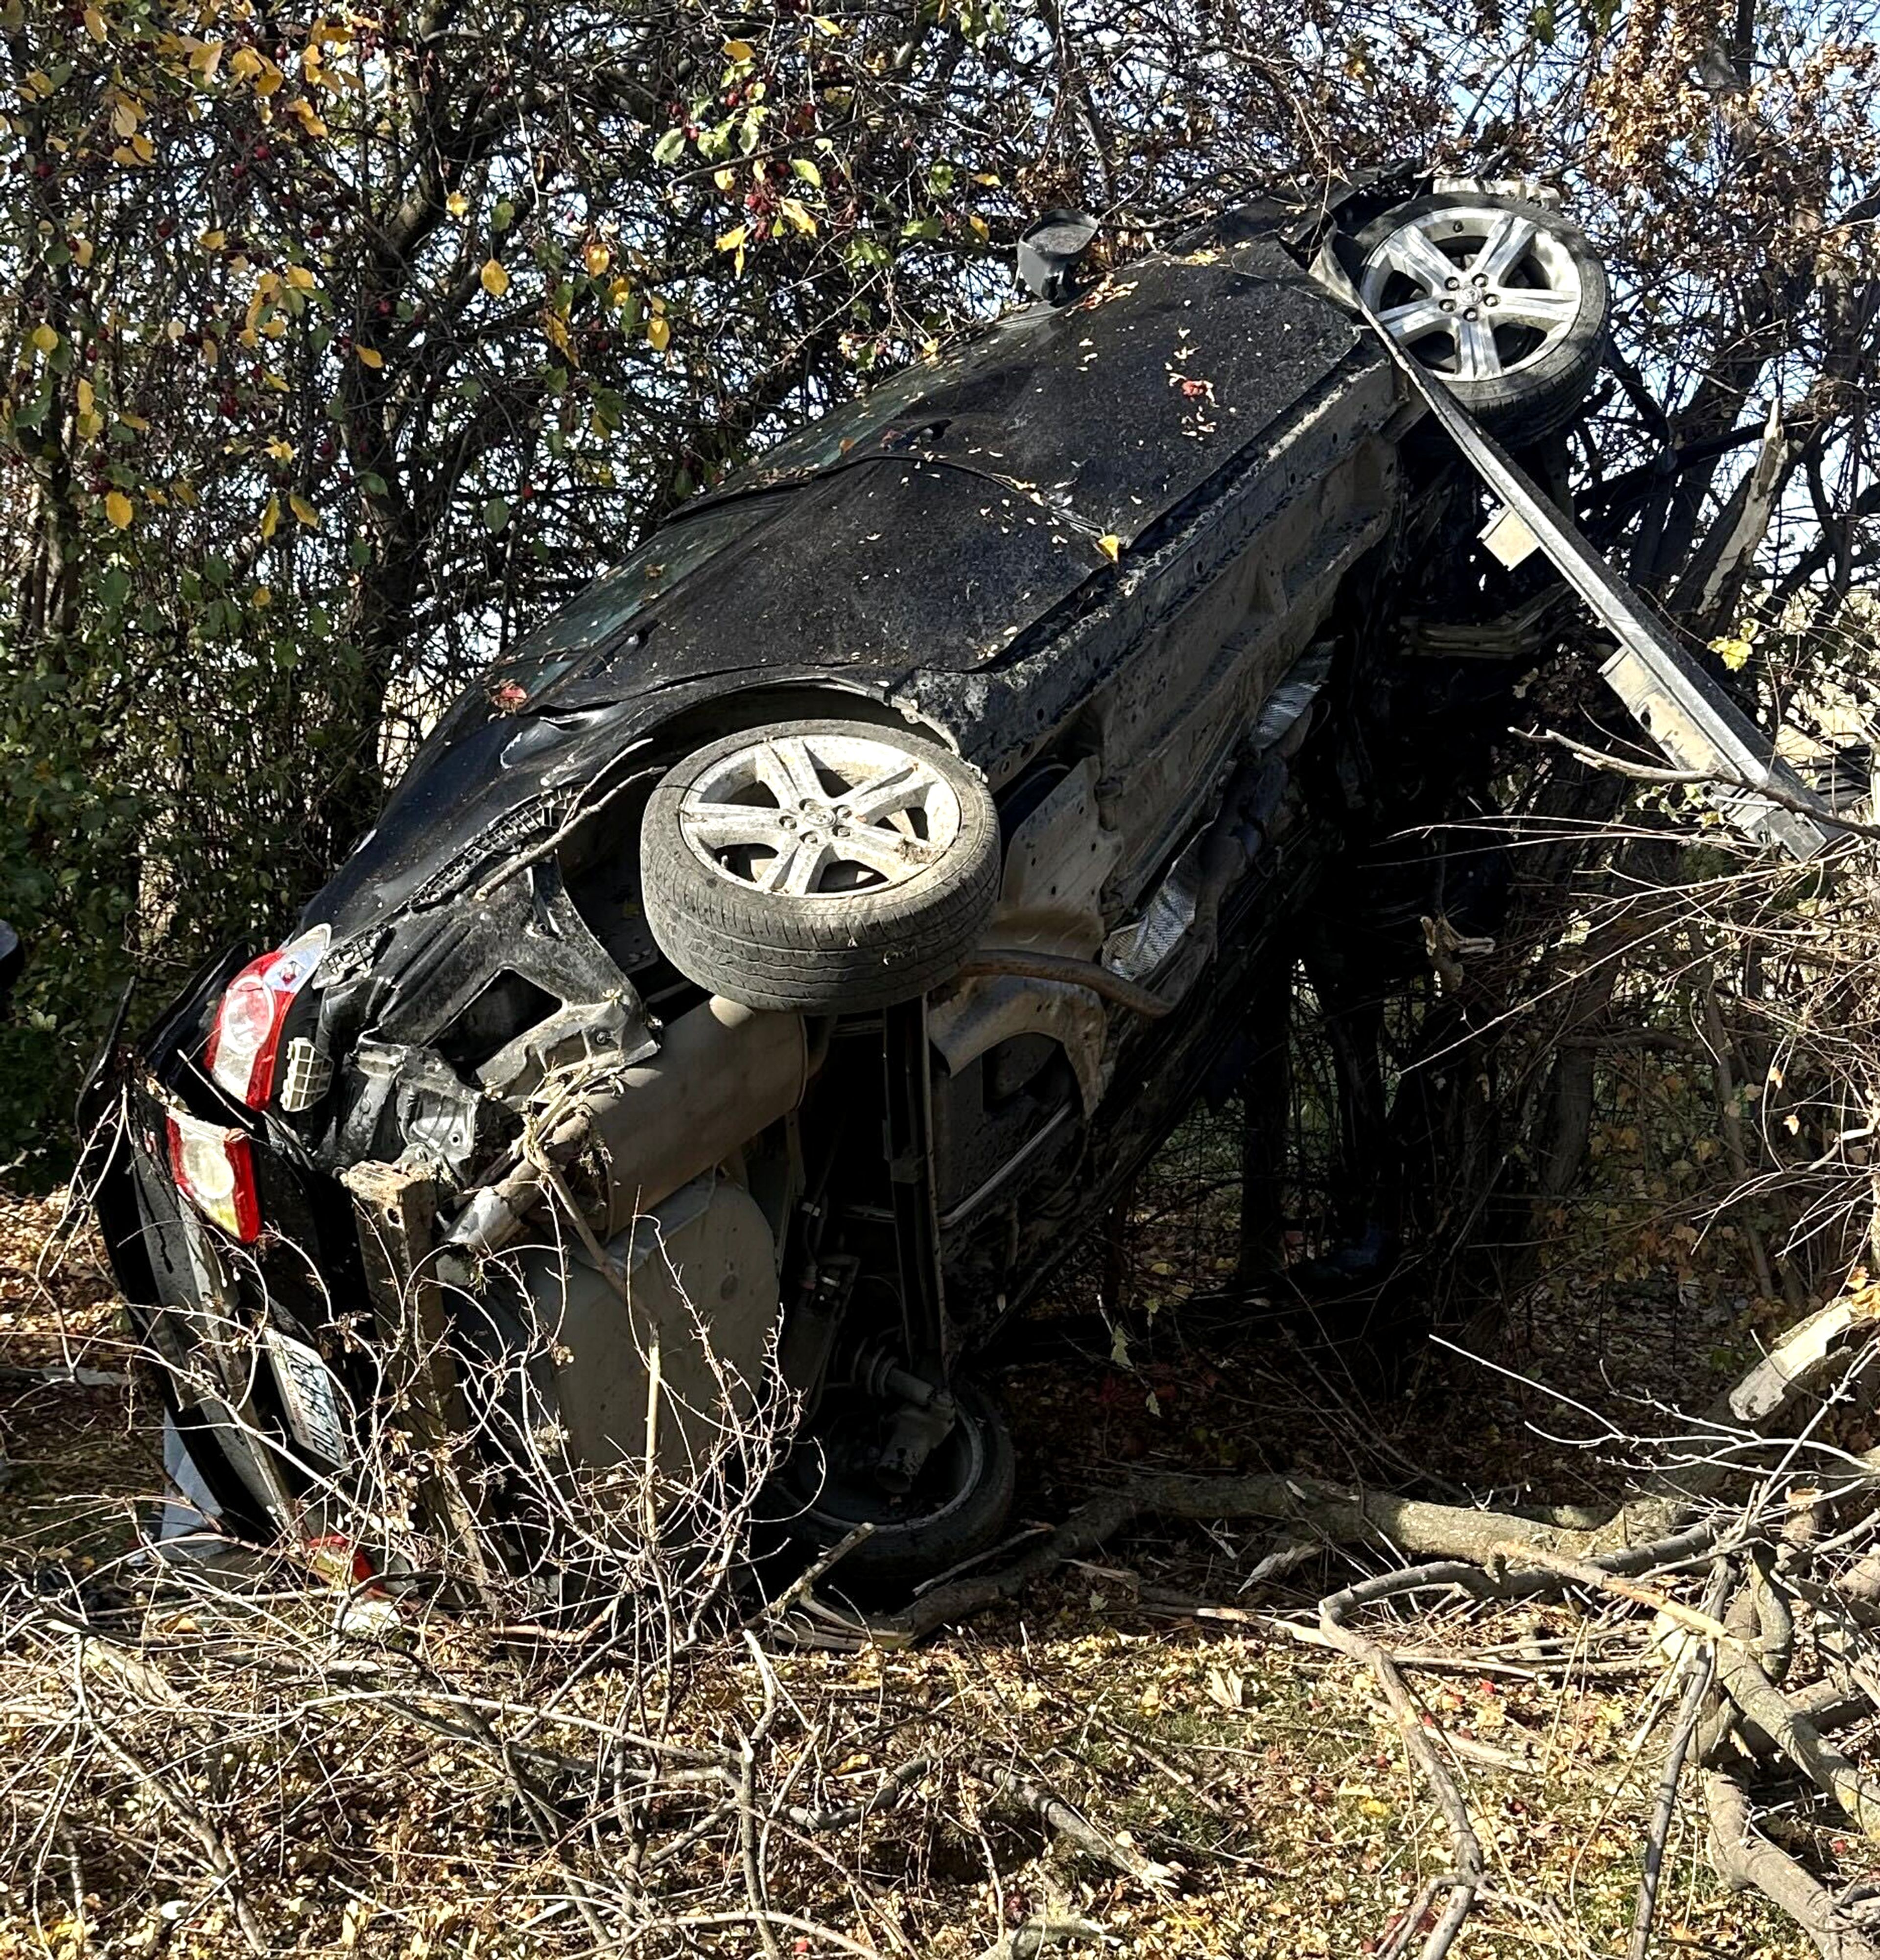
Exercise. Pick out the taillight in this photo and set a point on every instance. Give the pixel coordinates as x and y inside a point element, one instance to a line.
<point>213,1168</point>
<point>245,1040</point>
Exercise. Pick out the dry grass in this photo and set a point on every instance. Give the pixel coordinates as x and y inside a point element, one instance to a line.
<point>1269,1778</point>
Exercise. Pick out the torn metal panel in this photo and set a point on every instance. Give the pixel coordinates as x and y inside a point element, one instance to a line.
<point>1653,676</point>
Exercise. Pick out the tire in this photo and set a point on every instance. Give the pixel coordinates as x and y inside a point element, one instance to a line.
<point>957,1509</point>
<point>866,931</point>
<point>1526,257</point>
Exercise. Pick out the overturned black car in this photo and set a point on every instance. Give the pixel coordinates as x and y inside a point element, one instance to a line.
<point>784,960</point>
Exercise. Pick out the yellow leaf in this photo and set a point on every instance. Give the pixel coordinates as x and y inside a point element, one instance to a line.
<point>207,59</point>
<point>213,241</point>
<point>726,180</point>
<point>1110,545</point>
<point>732,240</point>
<point>120,510</point>
<point>597,257</point>
<point>305,511</point>
<point>142,148</point>
<point>659,332</point>
<point>620,292</point>
<point>211,353</point>
<point>89,424</point>
<point>371,357</point>
<point>495,280</point>
<point>87,397</point>
<point>456,204</point>
<point>94,23</point>
<point>981,228</point>
<point>281,451</point>
<point>270,519</point>
<point>307,116</point>
<point>269,79</point>
<point>793,208</point>
<point>301,278</point>
<point>83,250</point>
<point>44,339</point>
<point>262,599</point>
<point>737,51</point>
<point>130,420</point>
<point>124,117</point>
<point>245,63</point>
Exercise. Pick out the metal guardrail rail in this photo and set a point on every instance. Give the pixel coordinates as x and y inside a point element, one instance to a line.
<point>1680,707</point>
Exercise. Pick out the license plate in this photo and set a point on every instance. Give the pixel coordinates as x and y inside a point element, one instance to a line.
<point>307,1394</point>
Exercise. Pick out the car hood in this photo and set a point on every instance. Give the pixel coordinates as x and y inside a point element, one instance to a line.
<point>917,546</point>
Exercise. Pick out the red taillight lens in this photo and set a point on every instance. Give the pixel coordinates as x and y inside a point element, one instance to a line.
<point>213,1168</point>
<point>246,1039</point>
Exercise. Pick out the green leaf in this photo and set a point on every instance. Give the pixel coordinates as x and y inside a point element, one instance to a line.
<point>503,216</point>
<point>802,167</point>
<point>669,148</point>
<point>495,514</point>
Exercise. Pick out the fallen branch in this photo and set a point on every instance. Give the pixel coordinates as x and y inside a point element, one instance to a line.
<point>1665,1803</point>
<point>1335,1515</point>
<point>1058,1815</point>
<point>1761,1701</point>
<point>1465,1847</point>
<point>1746,1859</point>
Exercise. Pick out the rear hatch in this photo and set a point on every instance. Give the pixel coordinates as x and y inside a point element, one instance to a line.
<point>254,1331</point>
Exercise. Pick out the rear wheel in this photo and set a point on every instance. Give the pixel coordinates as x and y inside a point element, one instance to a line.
<point>1504,299</point>
<point>956,1509</point>
<point>819,867</point>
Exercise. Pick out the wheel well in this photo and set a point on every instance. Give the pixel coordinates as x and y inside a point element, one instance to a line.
<point>787,700</point>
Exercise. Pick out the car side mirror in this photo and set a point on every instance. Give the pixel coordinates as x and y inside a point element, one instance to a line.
<point>1049,250</point>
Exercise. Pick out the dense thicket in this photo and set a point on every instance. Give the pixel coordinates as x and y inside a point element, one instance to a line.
<point>338,345</point>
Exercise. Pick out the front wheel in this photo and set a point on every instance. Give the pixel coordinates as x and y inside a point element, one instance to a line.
<point>1506,300</point>
<point>819,867</point>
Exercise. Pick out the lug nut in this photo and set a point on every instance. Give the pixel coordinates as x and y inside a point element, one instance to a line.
<point>1451,285</point>
<point>1489,299</point>
<point>843,812</point>
<point>1449,306</point>
<point>806,806</point>
<point>1480,279</point>
<point>786,823</point>
<point>1469,313</point>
